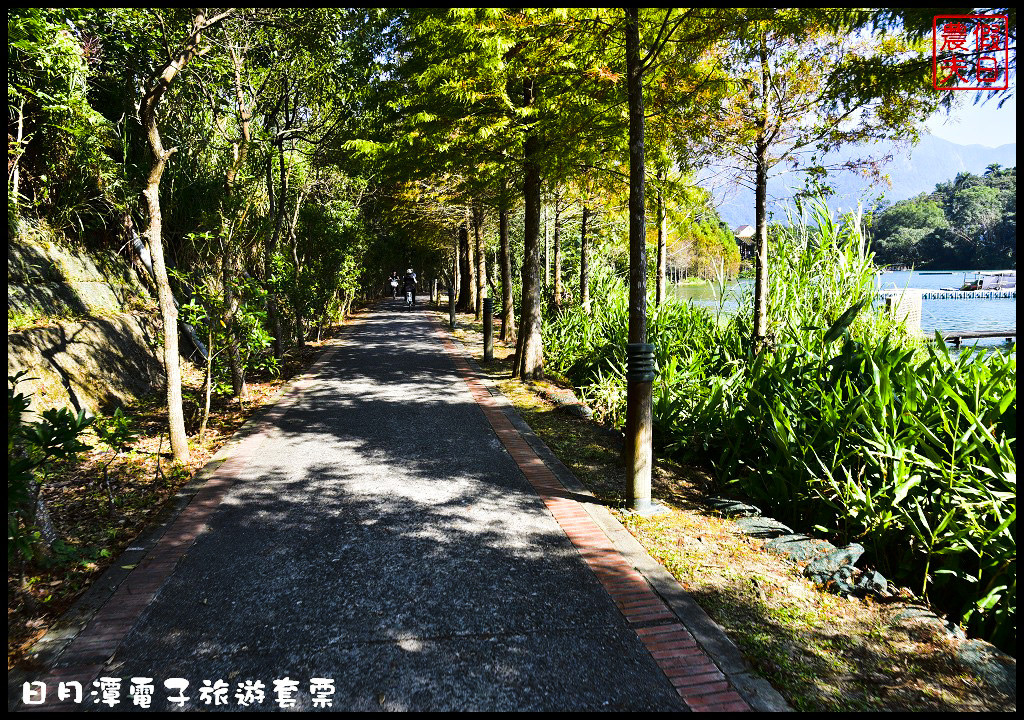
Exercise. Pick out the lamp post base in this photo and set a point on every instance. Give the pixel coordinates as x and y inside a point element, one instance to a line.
<point>647,509</point>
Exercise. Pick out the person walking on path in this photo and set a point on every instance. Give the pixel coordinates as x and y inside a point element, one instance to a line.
<point>409,287</point>
<point>394,284</point>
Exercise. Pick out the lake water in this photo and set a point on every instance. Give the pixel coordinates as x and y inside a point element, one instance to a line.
<point>946,316</point>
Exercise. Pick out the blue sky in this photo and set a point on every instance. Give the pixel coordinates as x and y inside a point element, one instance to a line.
<point>977,124</point>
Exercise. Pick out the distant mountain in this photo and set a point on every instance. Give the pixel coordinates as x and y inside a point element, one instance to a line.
<point>931,161</point>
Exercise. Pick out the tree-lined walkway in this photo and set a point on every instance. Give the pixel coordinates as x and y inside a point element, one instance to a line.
<point>380,533</point>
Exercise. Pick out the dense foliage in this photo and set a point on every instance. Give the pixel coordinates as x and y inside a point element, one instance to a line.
<point>968,222</point>
<point>252,125</point>
<point>844,426</point>
<point>704,248</point>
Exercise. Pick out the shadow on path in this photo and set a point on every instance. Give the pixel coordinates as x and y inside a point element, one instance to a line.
<point>381,536</point>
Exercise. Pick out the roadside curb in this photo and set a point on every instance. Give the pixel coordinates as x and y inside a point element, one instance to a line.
<point>701,686</point>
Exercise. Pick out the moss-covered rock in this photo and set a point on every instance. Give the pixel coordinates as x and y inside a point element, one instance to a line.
<point>48,277</point>
<point>87,365</point>
<point>74,323</point>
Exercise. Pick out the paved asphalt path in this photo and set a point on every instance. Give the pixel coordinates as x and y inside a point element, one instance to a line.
<point>382,537</point>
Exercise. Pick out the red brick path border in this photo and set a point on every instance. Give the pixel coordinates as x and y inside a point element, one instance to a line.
<point>700,683</point>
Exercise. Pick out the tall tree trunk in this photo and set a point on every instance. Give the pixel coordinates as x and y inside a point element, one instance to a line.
<point>637,219</point>
<point>558,251</point>
<point>638,392</point>
<point>464,303</point>
<point>760,215</point>
<point>15,192</point>
<point>473,264</point>
<point>584,261</point>
<point>282,195</point>
<point>229,260</point>
<point>508,323</point>
<point>456,279</point>
<point>300,330</point>
<point>168,311</point>
<point>481,260</point>
<point>530,348</point>
<point>300,320</point>
<point>659,292</point>
<point>229,271</point>
<point>154,233</point>
<point>241,148</point>
<point>547,254</point>
<point>208,384</point>
<point>492,263</point>
<point>278,210</point>
<point>273,306</point>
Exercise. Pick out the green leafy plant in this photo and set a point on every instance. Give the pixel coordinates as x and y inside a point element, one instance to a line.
<point>117,433</point>
<point>32,448</point>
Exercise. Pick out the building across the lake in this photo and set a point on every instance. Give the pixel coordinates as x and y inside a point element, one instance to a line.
<point>745,239</point>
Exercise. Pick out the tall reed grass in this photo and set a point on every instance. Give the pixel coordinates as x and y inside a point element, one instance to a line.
<point>847,425</point>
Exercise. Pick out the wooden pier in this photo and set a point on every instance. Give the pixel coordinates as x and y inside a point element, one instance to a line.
<point>952,294</point>
<point>957,338</point>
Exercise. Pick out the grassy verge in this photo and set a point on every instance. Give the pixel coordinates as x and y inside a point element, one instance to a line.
<point>821,651</point>
<point>142,480</point>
